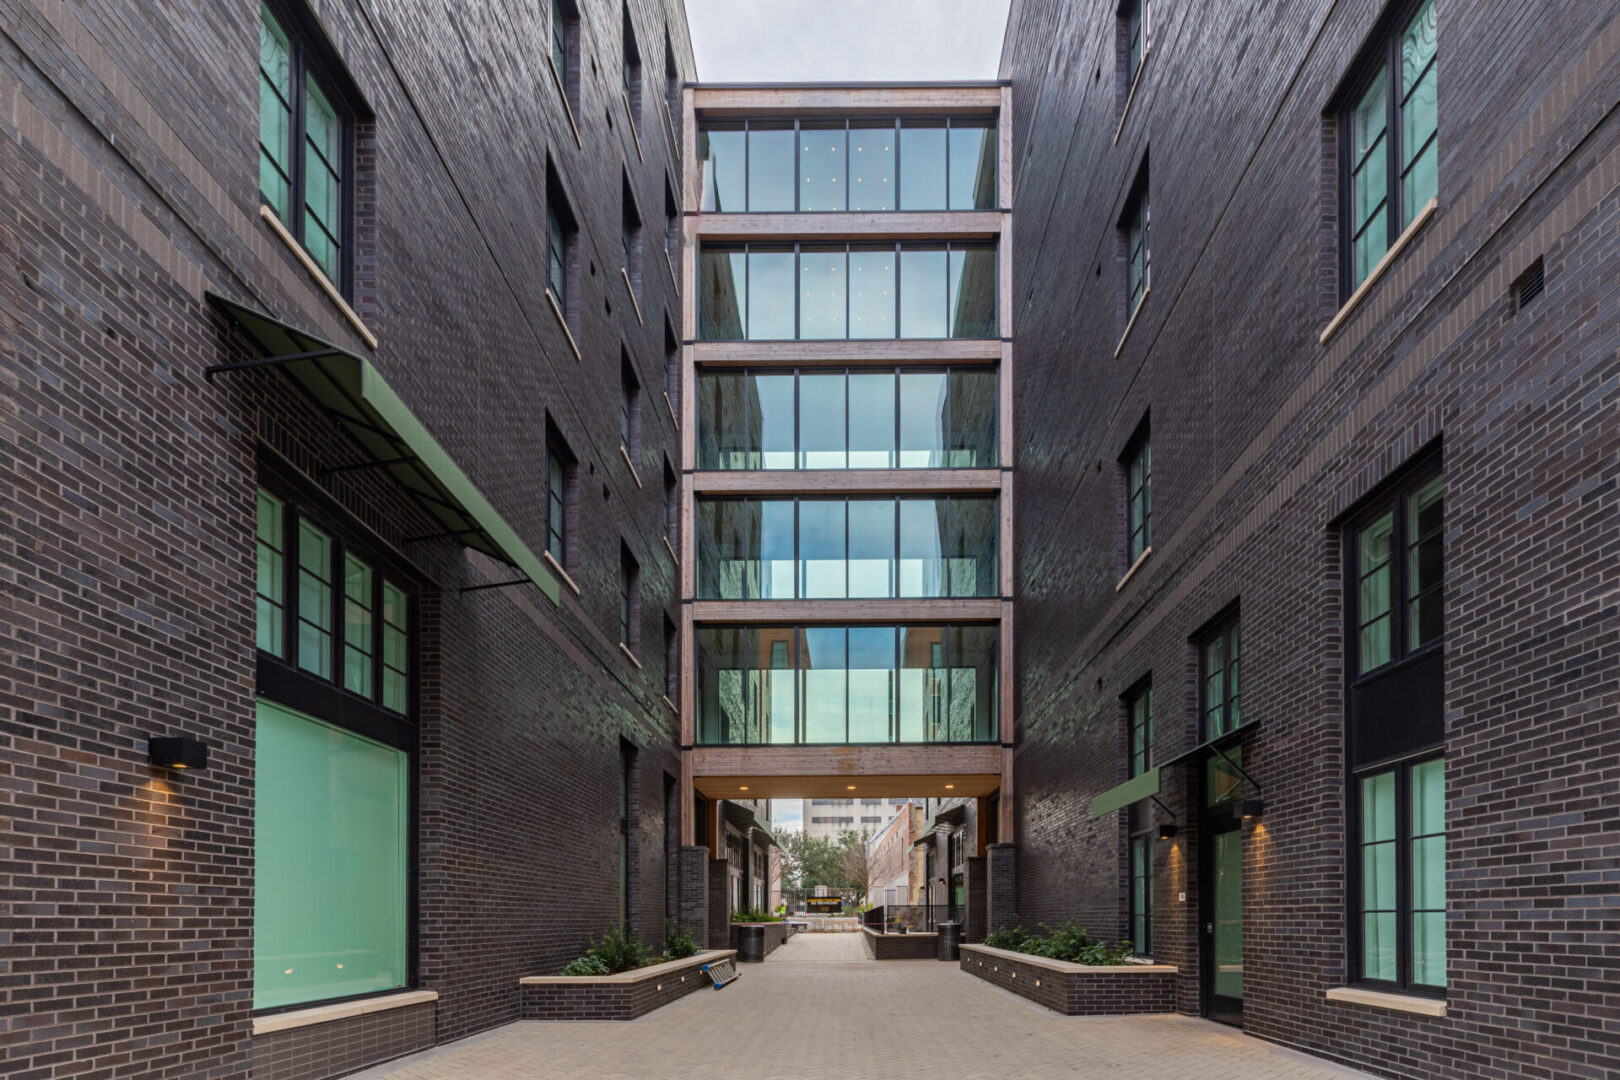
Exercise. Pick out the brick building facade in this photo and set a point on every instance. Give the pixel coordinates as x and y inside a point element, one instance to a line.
<point>530,724</point>
<point>1296,414</point>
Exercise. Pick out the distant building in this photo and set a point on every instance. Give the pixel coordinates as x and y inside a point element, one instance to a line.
<point>829,818</point>
<point>895,864</point>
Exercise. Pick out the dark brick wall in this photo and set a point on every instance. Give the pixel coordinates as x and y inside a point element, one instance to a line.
<point>1264,437</point>
<point>130,188</point>
<point>900,946</point>
<point>342,1046</point>
<point>694,893</point>
<point>1001,891</point>
<point>1074,993</point>
<point>775,935</point>
<point>977,883</point>
<point>718,917</point>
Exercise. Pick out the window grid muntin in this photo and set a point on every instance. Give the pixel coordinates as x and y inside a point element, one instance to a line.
<point>1398,911</point>
<point>1395,505</point>
<point>359,617</point>
<point>1139,499</point>
<point>1139,706</point>
<point>1141,893</point>
<point>556,506</point>
<point>270,579</point>
<point>1138,253</point>
<point>1219,689</point>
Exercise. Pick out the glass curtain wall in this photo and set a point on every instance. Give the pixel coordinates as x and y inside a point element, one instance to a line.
<point>847,684</point>
<point>826,548</point>
<point>867,164</point>
<point>854,419</point>
<point>823,292</point>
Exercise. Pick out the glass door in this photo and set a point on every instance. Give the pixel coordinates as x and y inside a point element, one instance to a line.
<point>1222,904</point>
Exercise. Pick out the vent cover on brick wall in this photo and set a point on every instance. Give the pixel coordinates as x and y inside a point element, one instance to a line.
<point>1531,284</point>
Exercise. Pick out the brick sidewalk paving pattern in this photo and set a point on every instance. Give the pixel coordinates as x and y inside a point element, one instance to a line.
<point>818,1007</point>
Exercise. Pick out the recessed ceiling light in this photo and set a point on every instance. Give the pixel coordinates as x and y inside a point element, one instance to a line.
<point>950,787</point>
<point>851,787</point>
<point>742,787</point>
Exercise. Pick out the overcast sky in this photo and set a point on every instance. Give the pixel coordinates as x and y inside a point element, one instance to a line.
<point>846,40</point>
<point>787,814</point>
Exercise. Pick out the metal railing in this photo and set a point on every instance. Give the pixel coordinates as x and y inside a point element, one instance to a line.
<point>907,918</point>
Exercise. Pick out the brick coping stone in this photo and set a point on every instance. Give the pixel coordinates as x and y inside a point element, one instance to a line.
<point>1067,968</point>
<point>631,978</point>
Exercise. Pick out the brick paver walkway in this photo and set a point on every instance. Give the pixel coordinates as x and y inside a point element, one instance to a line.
<point>819,1008</point>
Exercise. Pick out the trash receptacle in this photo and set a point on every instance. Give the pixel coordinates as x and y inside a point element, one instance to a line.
<point>950,941</point>
<point>750,943</point>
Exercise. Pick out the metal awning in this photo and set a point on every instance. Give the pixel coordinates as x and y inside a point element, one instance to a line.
<point>348,389</point>
<point>1146,785</point>
<point>945,822</point>
<point>743,818</point>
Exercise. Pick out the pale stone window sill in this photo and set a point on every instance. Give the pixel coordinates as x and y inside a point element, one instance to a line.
<point>343,1010</point>
<point>670,405</point>
<point>562,92</point>
<point>1130,97</point>
<point>631,289</point>
<point>317,273</point>
<point>551,561</point>
<point>556,309</point>
<point>671,704</point>
<point>1135,313</point>
<point>634,134</point>
<point>1378,271</point>
<point>669,547</point>
<point>1383,999</point>
<point>630,465</point>
<point>626,650</point>
<point>1135,566</point>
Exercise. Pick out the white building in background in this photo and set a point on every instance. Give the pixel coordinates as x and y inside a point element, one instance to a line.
<point>827,818</point>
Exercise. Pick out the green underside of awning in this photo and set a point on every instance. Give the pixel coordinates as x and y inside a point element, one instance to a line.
<point>349,390</point>
<point>1131,791</point>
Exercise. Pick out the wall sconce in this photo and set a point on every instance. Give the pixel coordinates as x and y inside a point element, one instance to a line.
<point>178,752</point>
<point>1168,831</point>
<point>1253,808</point>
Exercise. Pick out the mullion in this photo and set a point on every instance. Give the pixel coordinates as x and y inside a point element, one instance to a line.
<point>1392,141</point>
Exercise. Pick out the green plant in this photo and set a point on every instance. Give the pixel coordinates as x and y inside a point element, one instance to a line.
<point>753,914</point>
<point>1069,942</point>
<point>678,944</point>
<point>620,950</point>
<point>1011,938</point>
<point>588,964</point>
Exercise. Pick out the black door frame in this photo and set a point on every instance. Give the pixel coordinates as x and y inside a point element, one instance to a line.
<point>1215,820</point>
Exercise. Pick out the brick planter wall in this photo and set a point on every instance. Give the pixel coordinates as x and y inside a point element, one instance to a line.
<point>900,946</point>
<point>342,1045</point>
<point>775,935</point>
<point>614,997</point>
<point>1075,989</point>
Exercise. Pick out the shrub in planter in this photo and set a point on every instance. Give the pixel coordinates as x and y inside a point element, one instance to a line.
<point>1069,943</point>
<point>753,914</point>
<point>586,965</point>
<point>678,944</point>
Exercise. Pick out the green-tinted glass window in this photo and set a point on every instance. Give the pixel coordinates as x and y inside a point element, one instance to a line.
<point>922,165</point>
<point>971,279</point>
<point>556,506</point>
<point>723,161</point>
<point>1379,888</point>
<point>1428,800</point>
<point>323,181</point>
<point>1141,713</point>
<point>973,165</point>
<point>1138,253</point>
<point>1135,28</point>
<point>1139,500</point>
<point>1374,572</point>
<point>871,165</point>
<point>359,631</point>
<point>823,165</point>
<point>1222,782</point>
<point>275,113</point>
<point>1425,561</point>
<point>1141,873</point>
<point>396,649</point>
<point>559,40</point>
<point>1369,178</point>
<point>330,908</point>
<point>771,166</point>
<point>557,258</point>
<point>314,600</point>
<point>271,587</point>
<point>1420,113</point>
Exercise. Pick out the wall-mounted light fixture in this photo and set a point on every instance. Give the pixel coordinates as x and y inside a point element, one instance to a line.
<point>1253,808</point>
<point>1167,831</point>
<point>177,752</point>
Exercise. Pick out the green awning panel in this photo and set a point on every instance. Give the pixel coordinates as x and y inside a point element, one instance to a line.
<point>1134,790</point>
<point>349,390</point>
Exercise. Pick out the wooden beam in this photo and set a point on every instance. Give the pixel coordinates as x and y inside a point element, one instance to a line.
<point>849,764</point>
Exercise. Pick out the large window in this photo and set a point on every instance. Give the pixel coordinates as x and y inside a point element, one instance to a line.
<point>306,143</point>
<point>777,292</point>
<point>1219,694</point>
<point>320,614</point>
<point>1141,893</point>
<point>1135,26</point>
<point>1402,897</point>
<point>1139,717</point>
<point>1135,230</point>
<point>818,548</point>
<point>1388,139</point>
<point>853,419</point>
<point>565,49</point>
<point>847,684</point>
<point>560,502</point>
<point>1138,466</point>
<point>1399,564</point>
<point>831,164</point>
<point>331,851</point>
<point>629,601</point>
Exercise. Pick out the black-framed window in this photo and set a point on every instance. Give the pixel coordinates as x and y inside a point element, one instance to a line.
<point>1141,892</point>
<point>672,506</point>
<point>560,480</point>
<point>1137,462</point>
<point>632,70</point>
<point>630,235</point>
<point>1397,548</point>
<point>629,600</point>
<point>672,223</point>
<point>672,371</point>
<point>672,659</point>
<point>561,237</point>
<point>1388,149</point>
<point>629,407</point>
<point>1135,232</point>
<point>1135,28</point>
<point>306,139</point>
<point>1399,909</point>
<point>1220,707</point>
<point>627,781</point>
<point>565,48</point>
<point>672,91</point>
<point>1139,724</point>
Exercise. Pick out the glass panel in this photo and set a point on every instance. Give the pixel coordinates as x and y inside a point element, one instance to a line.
<point>972,411</point>
<point>871,684</point>
<point>1222,782</point>
<point>822,301</point>
<point>314,600</point>
<point>330,908</point>
<point>1228,975</point>
<point>973,165</point>
<point>728,543</point>
<point>871,165</point>
<point>1369,178</point>
<point>726,438</point>
<point>1420,113</point>
<point>923,681</point>
<point>973,653</point>
<point>1428,873</point>
<point>872,420</point>
<point>970,549</point>
<point>1373,547</point>
<point>776,549</point>
<point>821,549</point>
<point>722,294</point>
<point>923,295</point>
<point>922,419</point>
<point>773,410</point>
<point>922,165</point>
<point>323,179</point>
<point>721,156</point>
<point>1429,798</point>
<point>357,626</point>
<point>1215,688</point>
<point>1378,945</point>
<point>871,292</point>
<point>821,422</point>
<point>973,292</point>
<point>275,113</point>
<point>771,295</point>
<point>1378,877</point>
<point>1429,948</point>
<point>822,165</point>
<point>1426,564</point>
<point>1378,808</point>
<point>770,166</point>
<point>396,649</point>
<point>871,547</point>
<point>1234,714</point>
<point>270,581</point>
<point>823,680</point>
<point>922,547</point>
<point>734,682</point>
<point>1422,180</point>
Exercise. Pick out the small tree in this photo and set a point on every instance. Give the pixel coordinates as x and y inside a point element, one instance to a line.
<point>852,865</point>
